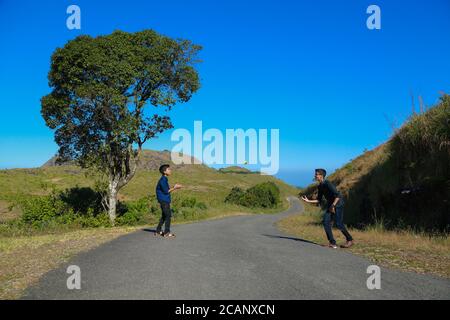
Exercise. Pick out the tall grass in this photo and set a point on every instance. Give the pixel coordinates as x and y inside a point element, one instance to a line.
<point>404,184</point>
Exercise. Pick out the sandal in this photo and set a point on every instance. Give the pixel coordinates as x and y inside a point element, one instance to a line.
<point>169,235</point>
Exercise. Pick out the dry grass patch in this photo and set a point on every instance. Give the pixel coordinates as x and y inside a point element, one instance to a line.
<point>8,213</point>
<point>24,260</point>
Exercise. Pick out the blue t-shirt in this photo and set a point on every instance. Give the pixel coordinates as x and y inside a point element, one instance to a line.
<point>162,190</point>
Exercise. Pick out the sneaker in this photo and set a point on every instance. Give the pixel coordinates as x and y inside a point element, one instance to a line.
<point>348,244</point>
<point>160,233</point>
<point>332,246</point>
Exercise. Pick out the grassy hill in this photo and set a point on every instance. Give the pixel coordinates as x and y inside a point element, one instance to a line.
<point>205,184</point>
<point>405,182</point>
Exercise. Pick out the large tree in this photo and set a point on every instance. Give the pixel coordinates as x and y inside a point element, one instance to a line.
<point>111,94</point>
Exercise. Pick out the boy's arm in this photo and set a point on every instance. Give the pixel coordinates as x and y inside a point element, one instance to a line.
<point>305,198</point>
<point>316,201</point>
<point>175,187</point>
<point>336,194</point>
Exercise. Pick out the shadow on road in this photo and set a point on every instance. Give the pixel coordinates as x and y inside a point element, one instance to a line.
<point>291,238</point>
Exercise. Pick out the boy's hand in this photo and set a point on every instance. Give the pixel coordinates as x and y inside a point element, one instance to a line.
<point>332,209</point>
<point>304,198</point>
<point>177,186</point>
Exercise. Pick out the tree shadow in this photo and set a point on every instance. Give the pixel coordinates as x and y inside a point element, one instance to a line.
<point>82,199</point>
<point>291,238</point>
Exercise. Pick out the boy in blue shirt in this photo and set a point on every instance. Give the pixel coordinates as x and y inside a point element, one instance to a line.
<point>163,192</point>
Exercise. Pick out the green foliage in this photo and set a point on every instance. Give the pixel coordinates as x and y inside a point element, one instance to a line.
<point>235,195</point>
<point>263,195</point>
<point>188,208</point>
<point>76,206</point>
<point>138,212</point>
<point>101,85</point>
<point>41,210</point>
<point>69,208</point>
<point>83,200</point>
<point>189,202</point>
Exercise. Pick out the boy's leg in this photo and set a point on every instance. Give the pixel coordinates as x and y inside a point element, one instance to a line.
<point>327,227</point>
<point>163,218</point>
<point>340,223</point>
<point>168,216</point>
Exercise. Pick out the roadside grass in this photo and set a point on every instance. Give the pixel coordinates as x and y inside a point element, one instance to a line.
<point>399,249</point>
<point>23,260</point>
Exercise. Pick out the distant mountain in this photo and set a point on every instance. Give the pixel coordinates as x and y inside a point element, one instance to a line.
<point>236,169</point>
<point>150,160</point>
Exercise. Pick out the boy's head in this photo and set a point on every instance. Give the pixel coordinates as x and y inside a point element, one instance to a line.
<point>165,170</point>
<point>320,174</point>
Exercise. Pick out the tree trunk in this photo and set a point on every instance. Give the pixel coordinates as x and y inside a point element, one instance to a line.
<point>112,200</point>
<point>117,182</point>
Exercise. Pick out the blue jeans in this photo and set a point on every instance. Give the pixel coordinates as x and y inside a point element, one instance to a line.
<point>339,221</point>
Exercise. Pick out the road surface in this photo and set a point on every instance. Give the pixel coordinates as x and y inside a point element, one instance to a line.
<point>244,257</point>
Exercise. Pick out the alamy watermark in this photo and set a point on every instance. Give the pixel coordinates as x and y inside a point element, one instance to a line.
<point>74,280</point>
<point>374,280</point>
<point>234,147</point>
<point>374,20</point>
<point>73,22</point>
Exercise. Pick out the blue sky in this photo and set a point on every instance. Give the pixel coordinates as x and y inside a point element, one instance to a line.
<point>309,68</point>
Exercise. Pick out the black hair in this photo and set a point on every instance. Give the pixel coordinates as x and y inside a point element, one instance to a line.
<point>322,172</point>
<point>163,168</point>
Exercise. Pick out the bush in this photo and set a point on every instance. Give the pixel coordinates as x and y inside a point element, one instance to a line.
<point>235,195</point>
<point>263,195</point>
<point>138,212</point>
<point>76,206</point>
<point>83,200</point>
<point>201,206</point>
<point>81,207</point>
<point>190,214</point>
<point>39,210</point>
<point>189,202</point>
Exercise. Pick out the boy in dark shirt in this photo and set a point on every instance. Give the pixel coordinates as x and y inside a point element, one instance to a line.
<point>335,206</point>
<point>163,191</point>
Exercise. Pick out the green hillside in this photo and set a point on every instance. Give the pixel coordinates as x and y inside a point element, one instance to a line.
<point>405,182</point>
<point>205,184</point>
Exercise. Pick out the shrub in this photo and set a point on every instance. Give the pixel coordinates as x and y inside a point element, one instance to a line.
<point>38,210</point>
<point>83,200</point>
<point>263,195</point>
<point>76,206</point>
<point>190,214</point>
<point>137,212</point>
<point>189,202</point>
<point>201,206</point>
<point>235,195</point>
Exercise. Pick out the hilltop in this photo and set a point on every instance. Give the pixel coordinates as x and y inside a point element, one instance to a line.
<point>236,169</point>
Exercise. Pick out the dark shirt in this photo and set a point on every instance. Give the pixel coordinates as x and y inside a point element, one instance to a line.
<point>328,190</point>
<point>162,190</point>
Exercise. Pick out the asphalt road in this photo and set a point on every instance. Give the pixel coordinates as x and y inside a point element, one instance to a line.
<point>244,257</point>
